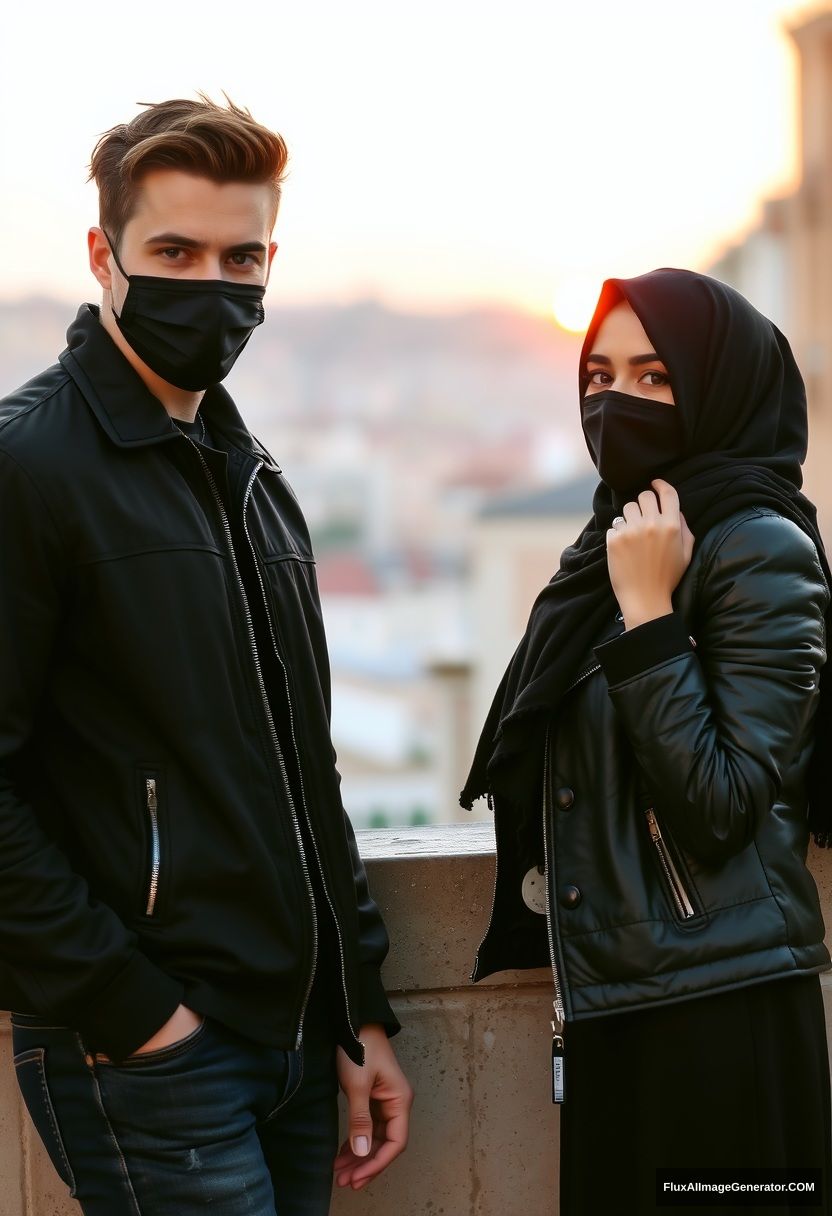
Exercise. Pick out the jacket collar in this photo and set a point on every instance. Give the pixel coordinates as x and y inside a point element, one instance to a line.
<point>126,409</point>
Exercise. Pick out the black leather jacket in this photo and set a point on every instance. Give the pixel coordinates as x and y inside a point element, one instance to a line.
<point>169,800</point>
<point>675,824</point>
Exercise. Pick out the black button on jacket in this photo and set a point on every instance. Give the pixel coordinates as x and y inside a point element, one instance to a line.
<point>169,797</point>
<point>705,743</point>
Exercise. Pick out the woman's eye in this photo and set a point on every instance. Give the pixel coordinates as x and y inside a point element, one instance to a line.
<point>663,379</point>
<point>590,377</point>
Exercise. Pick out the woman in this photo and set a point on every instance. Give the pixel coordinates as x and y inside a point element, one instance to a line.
<point>647,757</point>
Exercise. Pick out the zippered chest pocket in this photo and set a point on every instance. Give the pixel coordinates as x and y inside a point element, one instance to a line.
<point>683,897</point>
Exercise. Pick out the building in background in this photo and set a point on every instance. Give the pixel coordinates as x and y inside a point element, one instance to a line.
<point>784,266</point>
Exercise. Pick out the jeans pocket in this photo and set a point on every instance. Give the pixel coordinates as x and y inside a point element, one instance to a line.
<point>30,1068</point>
<point>294,1076</point>
<point>159,1055</point>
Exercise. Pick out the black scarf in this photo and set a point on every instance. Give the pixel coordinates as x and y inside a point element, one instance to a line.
<point>742,406</point>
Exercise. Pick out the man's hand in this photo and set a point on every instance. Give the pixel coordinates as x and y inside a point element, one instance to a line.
<point>179,1024</point>
<point>380,1099</point>
<point>648,554</point>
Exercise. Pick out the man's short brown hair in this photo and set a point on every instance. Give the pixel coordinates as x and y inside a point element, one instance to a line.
<point>222,143</point>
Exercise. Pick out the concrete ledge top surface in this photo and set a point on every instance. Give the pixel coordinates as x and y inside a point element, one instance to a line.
<point>474,839</point>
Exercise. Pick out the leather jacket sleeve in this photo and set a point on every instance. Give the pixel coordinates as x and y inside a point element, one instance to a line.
<point>715,725</point>
<point>373,944</point>
<point>70,953</point>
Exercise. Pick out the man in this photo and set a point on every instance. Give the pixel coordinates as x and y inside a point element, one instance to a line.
<point>187,940</point>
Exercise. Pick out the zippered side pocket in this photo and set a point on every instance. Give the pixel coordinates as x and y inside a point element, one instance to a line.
<point>154,862</point>
<point>152,803</point>
<point>682,895</point>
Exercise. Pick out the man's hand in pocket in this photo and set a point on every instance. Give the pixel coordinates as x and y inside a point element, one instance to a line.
<point>178,1026</point>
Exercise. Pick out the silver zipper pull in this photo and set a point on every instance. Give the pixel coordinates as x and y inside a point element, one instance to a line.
<point>557,1066</point>
<point>558,1022</point>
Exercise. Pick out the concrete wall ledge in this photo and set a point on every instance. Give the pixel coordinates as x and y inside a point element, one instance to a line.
<point>485,1133</point>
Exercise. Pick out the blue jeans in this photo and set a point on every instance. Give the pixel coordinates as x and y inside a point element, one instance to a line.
<point>213,1120</point>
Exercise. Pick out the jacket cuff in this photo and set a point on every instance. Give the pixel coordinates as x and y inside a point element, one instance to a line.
<point>638,649</point>
<point>373,1005</point>
<point>130,1009</point>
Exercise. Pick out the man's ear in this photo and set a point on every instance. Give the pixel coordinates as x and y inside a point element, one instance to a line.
<point>99,253</point>
<point>270,256</point>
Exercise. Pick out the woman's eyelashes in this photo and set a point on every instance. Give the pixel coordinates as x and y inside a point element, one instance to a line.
<point>652,379</point>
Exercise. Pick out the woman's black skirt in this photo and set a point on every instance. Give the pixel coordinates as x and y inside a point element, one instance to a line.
<point>731,1079</point>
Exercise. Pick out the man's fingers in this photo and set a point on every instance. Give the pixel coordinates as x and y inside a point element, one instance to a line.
<point>361,1121</point>
<point>387,1151</point>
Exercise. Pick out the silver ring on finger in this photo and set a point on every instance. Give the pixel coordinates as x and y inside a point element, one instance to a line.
<point>619,519</point>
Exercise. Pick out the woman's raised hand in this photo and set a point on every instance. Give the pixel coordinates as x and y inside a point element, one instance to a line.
<point>648,552</point>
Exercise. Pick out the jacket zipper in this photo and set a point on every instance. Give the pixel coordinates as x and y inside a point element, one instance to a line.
<point>595,666</point>
<point>155,849</point>
<point>297,758</point>
<point>583,675</point>
<point>681,899</point>
<point>264,696</point>
<point>558,1023</point>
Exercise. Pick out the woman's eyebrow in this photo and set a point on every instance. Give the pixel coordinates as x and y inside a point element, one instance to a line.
<point>634,360</point>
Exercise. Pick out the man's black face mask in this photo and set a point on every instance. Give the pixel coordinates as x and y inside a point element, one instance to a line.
<point>631,440</point>
<point>189,331</point>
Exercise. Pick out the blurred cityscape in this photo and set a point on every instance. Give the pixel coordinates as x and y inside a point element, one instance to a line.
<point>442,470</point>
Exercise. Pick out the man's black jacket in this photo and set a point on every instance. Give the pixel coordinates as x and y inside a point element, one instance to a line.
<point>168,789</point>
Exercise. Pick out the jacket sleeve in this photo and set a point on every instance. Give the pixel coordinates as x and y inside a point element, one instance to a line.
<point>715,724</point>
<point>70,954</point>
<point>373,944</point>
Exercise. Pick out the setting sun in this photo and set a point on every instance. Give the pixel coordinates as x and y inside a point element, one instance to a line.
<point>574,302</point>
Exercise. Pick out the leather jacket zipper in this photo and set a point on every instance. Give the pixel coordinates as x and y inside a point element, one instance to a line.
<point>681,899</point>
<point>558,1023</point>
<point>267,708</point>
<point>155,849</point>
<point>579,679</point>
<point>583,675</point>
<point>297,758</point>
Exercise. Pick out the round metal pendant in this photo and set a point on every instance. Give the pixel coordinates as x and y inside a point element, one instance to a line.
<point>534,890</point>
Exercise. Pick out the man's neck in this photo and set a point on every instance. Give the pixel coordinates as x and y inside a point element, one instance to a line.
<point>179,402</point>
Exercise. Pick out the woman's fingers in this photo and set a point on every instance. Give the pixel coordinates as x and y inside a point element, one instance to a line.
<point>648,504</point>
<point>668,498</point>
<point>687,539</point>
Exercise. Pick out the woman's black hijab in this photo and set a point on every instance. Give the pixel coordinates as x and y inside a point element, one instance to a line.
<point>742,409</point>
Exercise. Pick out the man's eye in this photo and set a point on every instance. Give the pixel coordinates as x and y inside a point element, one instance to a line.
<point>171,254</point>
<point>244,259</point>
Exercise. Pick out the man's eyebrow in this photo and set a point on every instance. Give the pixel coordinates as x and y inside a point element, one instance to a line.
<point>634,361</point>
<point>188,242</point>
<point>175,238</point>
<point>247,247</point>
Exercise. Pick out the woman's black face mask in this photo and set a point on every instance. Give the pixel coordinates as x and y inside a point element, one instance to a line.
<point>631,440</point>
<point>189,331</point>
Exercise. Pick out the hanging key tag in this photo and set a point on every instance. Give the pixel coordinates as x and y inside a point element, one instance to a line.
<point>557,1066</point>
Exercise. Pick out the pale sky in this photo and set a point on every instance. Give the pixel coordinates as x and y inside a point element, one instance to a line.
<point>443,153</point>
